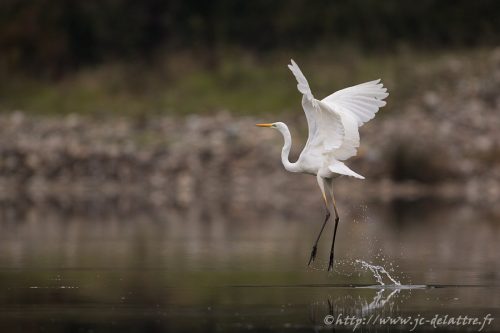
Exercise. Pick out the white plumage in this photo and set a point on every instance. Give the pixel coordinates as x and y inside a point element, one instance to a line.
<point>333,124</point>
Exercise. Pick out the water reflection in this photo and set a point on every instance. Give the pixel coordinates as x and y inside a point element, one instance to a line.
<point>326,313</point>
<point>138,269</point>
<point>379,301</point>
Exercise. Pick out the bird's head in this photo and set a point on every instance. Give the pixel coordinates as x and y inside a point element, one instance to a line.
<point>278,125</point>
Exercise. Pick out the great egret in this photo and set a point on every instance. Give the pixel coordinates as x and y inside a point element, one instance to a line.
<point>333,136</point>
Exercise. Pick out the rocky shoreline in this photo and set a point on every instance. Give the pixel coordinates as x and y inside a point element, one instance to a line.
<point>220,158</point>
<point>443,141</point>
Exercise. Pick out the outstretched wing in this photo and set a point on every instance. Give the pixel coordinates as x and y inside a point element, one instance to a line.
<point>361,101</point>
<point>356,105</point>
<point>302,84</point>
<point>326,131</point>
<point>308,102</point>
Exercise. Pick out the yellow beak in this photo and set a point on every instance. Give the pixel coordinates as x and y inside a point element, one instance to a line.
<point>264,125</point>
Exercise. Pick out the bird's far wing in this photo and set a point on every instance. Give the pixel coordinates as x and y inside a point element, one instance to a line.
<point>302,84</point>
<point>361,101</point>
<point>309,103</point>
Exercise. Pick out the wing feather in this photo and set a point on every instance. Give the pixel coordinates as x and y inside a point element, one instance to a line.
<point>362,101</point>
<point>302,84</point>
<point>309,104</point>
<point>331,131</point>
<point>343,130</point>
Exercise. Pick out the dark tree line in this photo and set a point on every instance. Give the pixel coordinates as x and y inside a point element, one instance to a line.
<point>44,35</point>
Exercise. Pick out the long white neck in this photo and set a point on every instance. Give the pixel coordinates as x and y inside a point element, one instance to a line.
<point>285,152</point>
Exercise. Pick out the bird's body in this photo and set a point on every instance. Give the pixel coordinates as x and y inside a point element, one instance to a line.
<point>333,124</point>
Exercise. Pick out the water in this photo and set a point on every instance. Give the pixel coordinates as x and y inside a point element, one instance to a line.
<point>378,273</point>
<point>89,267</point>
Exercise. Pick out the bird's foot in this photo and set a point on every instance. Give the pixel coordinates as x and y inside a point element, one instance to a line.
<point>330,263</point>
<point>313,255</point>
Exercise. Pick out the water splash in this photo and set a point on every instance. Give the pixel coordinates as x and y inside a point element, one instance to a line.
<point>378,272</point>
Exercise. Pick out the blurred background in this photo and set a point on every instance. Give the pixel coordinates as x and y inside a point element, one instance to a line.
<point>161,94</point>
<point>128,147</point>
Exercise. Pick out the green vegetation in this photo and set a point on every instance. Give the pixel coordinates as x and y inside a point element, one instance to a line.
<point>242,83</point>
<point>183,57</point>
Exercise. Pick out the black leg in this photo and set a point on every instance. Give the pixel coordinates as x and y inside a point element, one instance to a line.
<point>315,247</point>
<point>330,264</point>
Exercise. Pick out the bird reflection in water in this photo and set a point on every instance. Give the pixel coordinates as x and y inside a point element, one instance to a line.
<point>348,305</point>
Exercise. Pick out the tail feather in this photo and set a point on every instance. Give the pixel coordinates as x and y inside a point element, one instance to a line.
<point>341,168</point>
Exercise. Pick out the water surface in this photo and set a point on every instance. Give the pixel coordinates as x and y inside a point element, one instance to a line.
<point>89,268</point>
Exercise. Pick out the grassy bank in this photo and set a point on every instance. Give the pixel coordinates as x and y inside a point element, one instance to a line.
<point>238,82</point>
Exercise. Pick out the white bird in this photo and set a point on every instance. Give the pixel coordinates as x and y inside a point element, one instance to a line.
<point>333,136</point>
